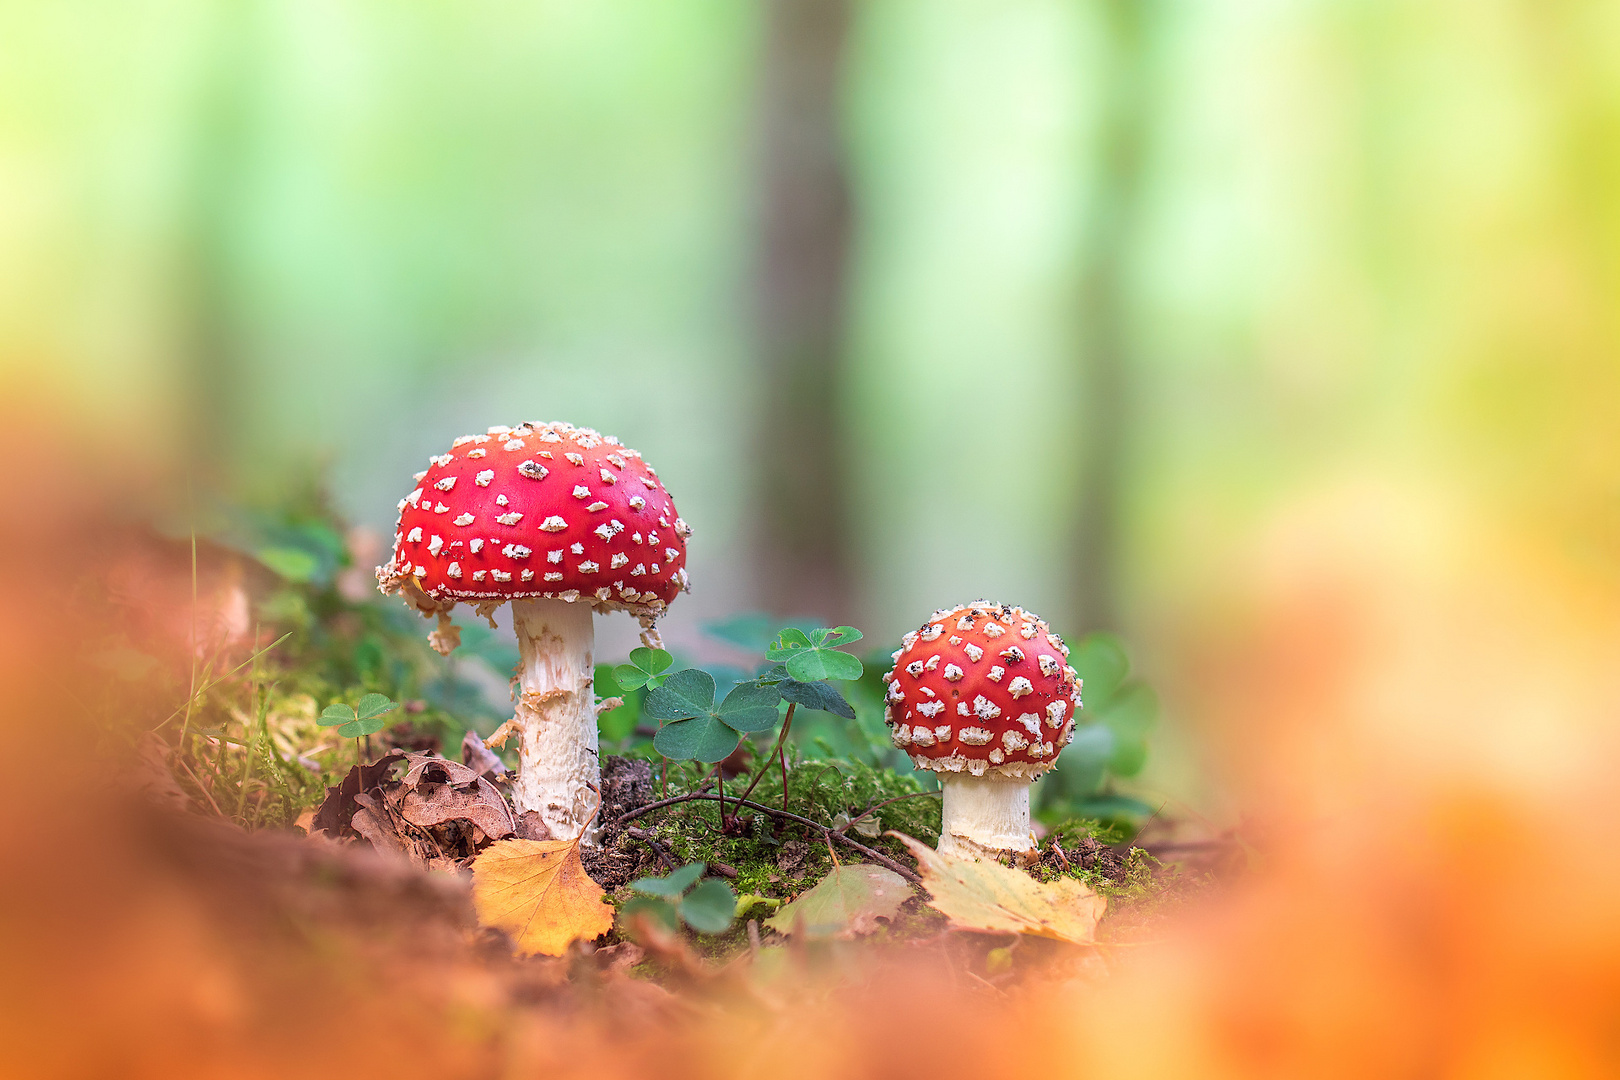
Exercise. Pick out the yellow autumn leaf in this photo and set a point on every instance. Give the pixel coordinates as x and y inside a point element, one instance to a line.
<point>984,895</point>
<point>538,891</point>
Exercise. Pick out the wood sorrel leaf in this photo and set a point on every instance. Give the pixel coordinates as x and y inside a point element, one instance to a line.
<point>703,738</point>
<point>710,907</point>
<point>684,694</point>
<point>675,883</point>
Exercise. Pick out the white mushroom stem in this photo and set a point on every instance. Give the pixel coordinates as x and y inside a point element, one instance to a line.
<point>983,815</point>
<point>556,716</point>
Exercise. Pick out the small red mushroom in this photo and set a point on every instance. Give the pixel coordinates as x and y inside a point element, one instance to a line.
<point>983,695</point>
<point>559,521</point>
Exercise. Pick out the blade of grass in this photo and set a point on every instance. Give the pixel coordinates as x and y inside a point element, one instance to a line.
<point>207,686</point>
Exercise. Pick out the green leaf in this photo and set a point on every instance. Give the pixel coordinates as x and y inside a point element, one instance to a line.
<point>684,694</point>
<point>817,695</point>
<point>643,669</point>
<point>652,660</point>
<point>293,564</point>
<point>847,902</point>
<point>813,664</point>
<point>1132,712</point>
<point>1084,762</point>
<point>788,640</point>
<point>660,911</point>
<point>1129,715</point>
<point>749,707</point>
<point>615,725</point>
<point>844,635</point>
<point>1114,808</point>
<point>336,714</point>
<point>812,657</point>
<point>703,739</point>
<point>356,728</point>
<point>374,705</point>
<point>672,885</point>
<point>1101,661</point>
<point>750,901</point>
<point>771,674</point>
<point>710,907</point>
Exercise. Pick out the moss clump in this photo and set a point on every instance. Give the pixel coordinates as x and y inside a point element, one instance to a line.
<point>1089,852</point>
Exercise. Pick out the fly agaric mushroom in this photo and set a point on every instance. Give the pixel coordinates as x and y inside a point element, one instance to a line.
<point>983,695</point>
<point>560,522</point>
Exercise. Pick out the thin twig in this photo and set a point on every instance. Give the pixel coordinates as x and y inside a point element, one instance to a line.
<point>876,856</point>
<point>180,761</point>
<point>878,806</point>
<point>652,841</point>
<point>649,807</point>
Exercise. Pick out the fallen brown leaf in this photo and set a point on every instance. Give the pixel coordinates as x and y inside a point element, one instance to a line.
<point>846,903</point>
<point>986,896</point>
<point>538,891</point>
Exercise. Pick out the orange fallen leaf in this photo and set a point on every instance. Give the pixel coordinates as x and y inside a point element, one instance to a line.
<point>978,894</point>
<point>538,891</point>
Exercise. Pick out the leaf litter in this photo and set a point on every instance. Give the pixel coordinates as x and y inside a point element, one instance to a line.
<point>980,895</point>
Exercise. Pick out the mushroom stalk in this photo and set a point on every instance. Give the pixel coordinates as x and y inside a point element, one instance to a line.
<point>556,715</point>
<point>983,815</point>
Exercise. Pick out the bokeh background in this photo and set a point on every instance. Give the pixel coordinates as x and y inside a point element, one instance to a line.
<point>1277,336</point>
<point>1141,313</point>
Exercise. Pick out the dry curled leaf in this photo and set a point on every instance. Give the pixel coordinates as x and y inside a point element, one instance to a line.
<point>538,891</point>
<point>986,896</point>
<point>847,902</point>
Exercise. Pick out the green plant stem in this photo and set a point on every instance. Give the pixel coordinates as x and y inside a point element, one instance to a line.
<point>207,686</point>
<point>787,722</point>
<point>247,763</point>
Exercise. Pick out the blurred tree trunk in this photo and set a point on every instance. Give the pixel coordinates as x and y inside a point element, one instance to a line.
<point>1105,407</point>
<point>802,552</point>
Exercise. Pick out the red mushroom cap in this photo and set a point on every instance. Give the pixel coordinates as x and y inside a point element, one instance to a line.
<point>982,688</point>
<point>540,510</point>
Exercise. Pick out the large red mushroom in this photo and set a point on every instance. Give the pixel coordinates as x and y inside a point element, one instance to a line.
<point>983,695</point>
<point>560,522</point>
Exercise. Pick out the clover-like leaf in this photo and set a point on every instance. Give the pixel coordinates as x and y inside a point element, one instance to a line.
<point>710,907</point>
<point>749,707</point>
<point>374,705</point>
<point>674,884</point>
<point>354,721</point>
<point>657,911</point>
<point>837,637</point>
<point>684,694</point>
<point>702,738</point>
<point>815,656</point>
<point>788,640</point>
<point>336,714</point>
<point>816,695</point>
<point>770,674</point>
<point>356,728</point>
<point>644,669</point>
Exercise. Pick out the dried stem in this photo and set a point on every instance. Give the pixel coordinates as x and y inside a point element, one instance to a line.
<point>876,856</point>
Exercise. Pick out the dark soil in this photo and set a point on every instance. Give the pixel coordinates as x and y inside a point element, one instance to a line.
<point>1088,853</point>
<point>622,857</point>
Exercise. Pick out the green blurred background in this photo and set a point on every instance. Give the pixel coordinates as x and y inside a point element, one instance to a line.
<point>1056,302</point>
